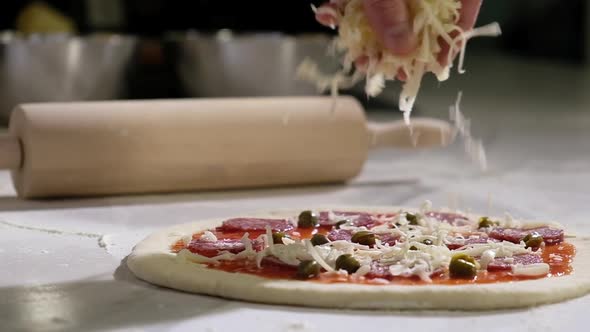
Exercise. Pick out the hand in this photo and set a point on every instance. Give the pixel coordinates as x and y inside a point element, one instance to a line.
<point>393,25</point>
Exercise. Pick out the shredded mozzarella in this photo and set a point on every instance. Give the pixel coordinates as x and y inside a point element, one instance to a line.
<point>187,239</point>
<point>501,249</point>
<point>532,270</point>
<point>509,221</point>
<point>363,270</point>
<point>268,242</point>
<point>196,258</point>
<point>486,258</point>
<point>473,147</point>
<point>208,236</point>
<point>317,257</point>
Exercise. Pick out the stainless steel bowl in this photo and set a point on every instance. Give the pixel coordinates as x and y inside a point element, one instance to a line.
<point>62,68</point>
<point>226,64</point>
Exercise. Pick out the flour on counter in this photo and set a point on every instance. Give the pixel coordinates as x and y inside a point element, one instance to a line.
<point>299,326</point>
<point>104,240</point>
<point>49,230</point>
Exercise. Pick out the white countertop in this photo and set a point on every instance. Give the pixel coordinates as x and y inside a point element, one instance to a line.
<point>61,260</point>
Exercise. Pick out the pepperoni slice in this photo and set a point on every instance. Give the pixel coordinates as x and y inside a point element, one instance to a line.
<point>389,239</point>
<point>324,218</point>
<point>254,224</point>
<point>359,219</point>
<point>339,234</point>
<point>364,220</point>
<point>505,263</point>
<point>378,271</point>
<point>471,240</point>
<point>451,218</point>
<point>274,261</point>
<point>212,249</point>
<point>515,235</point>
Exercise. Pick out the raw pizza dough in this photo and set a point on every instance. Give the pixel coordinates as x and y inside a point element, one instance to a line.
<point>152,261</point>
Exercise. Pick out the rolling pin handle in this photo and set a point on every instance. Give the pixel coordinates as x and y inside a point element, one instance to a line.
<point>10,152</point>
<point>422,133</point>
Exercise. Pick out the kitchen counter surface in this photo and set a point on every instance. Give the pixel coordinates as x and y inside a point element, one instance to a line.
<point>63,261</point>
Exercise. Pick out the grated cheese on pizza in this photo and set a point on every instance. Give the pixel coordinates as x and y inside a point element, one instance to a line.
<point>424,244</point>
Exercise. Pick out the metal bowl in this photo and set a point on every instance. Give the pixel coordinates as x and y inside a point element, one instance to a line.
<point>44,68</point>
<point>225,64</point>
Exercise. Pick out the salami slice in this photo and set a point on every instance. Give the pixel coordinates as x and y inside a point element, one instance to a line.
<point>389,239</point>
<point>505,263</point>
<point>365,220</point>
<point>339,234</point>
<point>471,240</point>
<point>451,218</point>
<point>214,248</point>
<point>515,235</point>
<point>274,261</point>
<point>254,224</point>
<point>378,271</point>
<point>358,218</point>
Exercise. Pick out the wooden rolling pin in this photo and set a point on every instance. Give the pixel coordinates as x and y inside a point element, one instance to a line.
<point>124,147</point>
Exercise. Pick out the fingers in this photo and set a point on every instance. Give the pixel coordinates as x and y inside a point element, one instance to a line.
<point>401,75</point>
<point>327,15</point>
<point>391,21</point>
<point>445,48</point>
<point>468,14</point>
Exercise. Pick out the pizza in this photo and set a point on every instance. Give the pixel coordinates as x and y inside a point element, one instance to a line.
<point>370,258</point>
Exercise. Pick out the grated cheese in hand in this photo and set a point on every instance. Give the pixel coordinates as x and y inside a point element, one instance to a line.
<point>432,19</point>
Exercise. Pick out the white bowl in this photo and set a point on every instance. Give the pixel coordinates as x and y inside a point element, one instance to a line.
<point>226,64</point>
<point>46,68</point>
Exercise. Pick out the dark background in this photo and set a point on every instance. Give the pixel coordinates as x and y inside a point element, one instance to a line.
<point>553,29</point>
<point>550,33</point>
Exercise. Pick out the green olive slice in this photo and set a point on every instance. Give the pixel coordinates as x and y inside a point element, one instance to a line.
<point>319,239</point>
<point>533,240</point>
<point>462,266</point>
<point>340,223</point>
<point>485,222</point>
<point>307,219</point>
<point>364,237</point>
<point>348,263</point>
<point>277,237</point>
<point>411,218</point>
<point>308,269</point>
